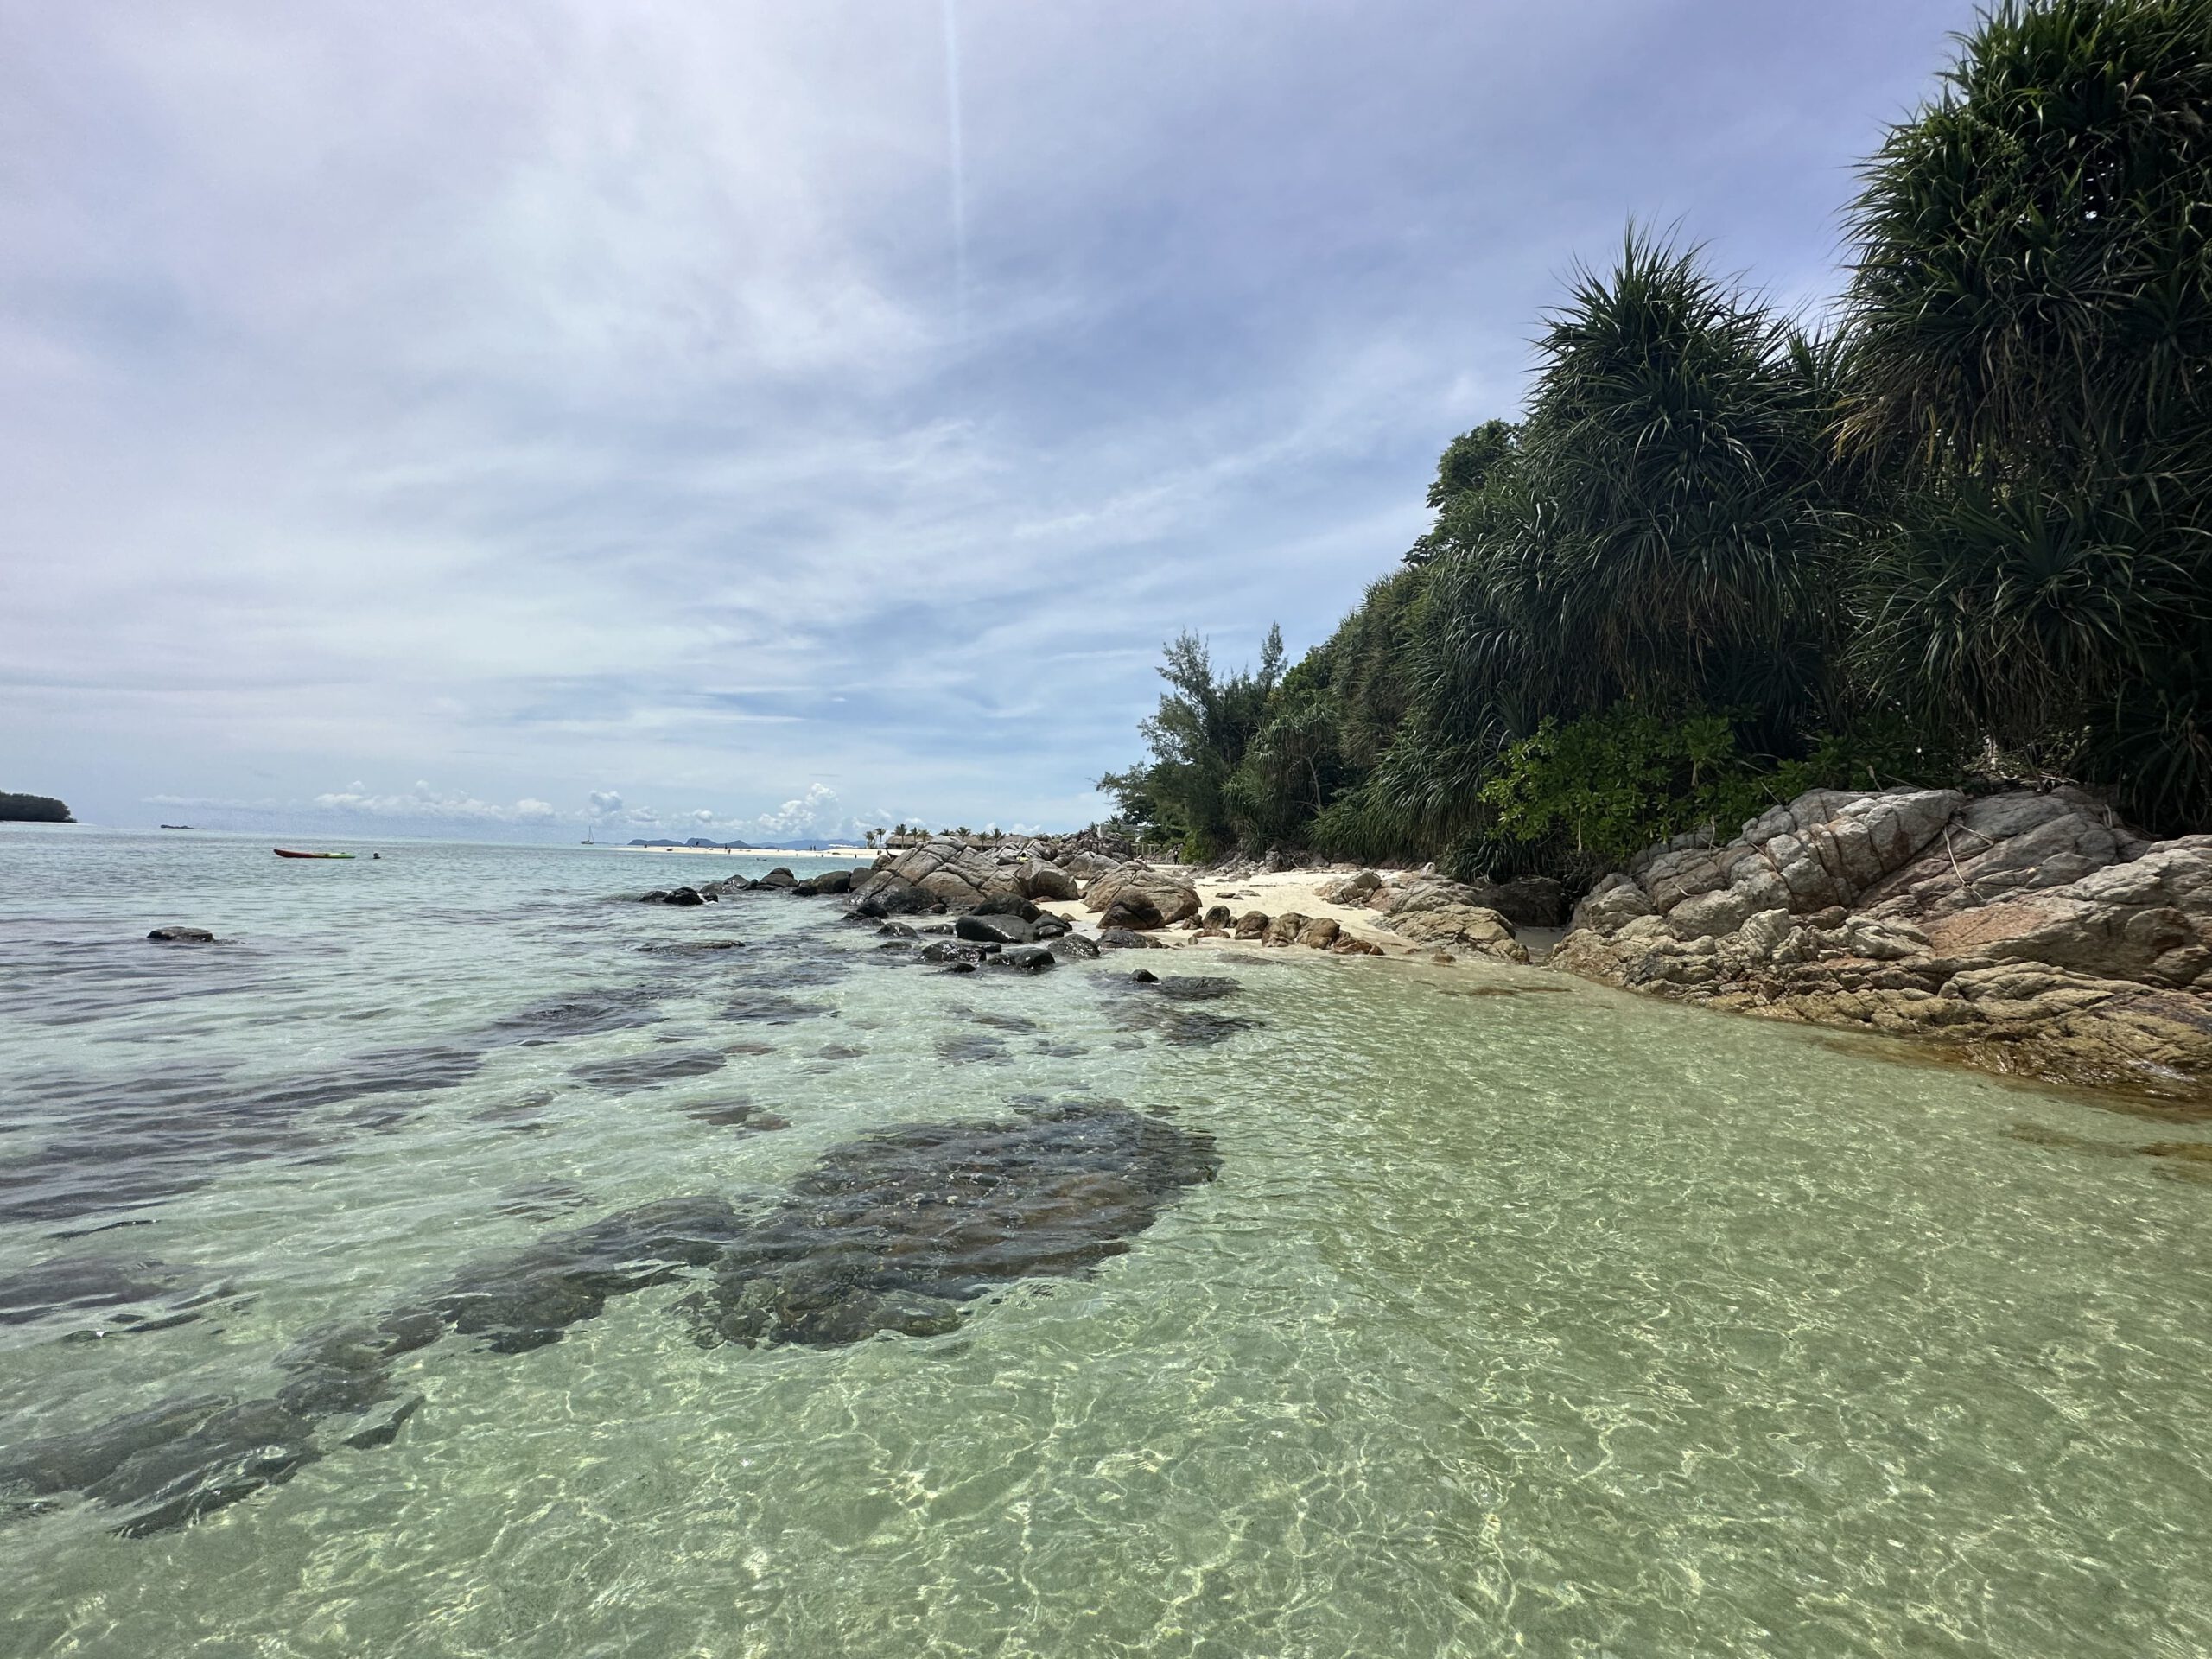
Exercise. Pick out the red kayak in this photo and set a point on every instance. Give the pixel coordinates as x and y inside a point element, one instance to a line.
<point>286,852</point>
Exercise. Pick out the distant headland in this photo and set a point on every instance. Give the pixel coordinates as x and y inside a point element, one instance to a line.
<point>32,809</point>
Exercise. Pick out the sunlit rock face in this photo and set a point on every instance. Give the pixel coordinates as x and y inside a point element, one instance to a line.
<point>2034,932</point>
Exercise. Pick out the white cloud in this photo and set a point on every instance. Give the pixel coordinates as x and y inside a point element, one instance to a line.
<point>425,801</point>
<point>557,396</point>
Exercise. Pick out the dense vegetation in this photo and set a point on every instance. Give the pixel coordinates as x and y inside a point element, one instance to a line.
<point>32,809</point>
<point>1959,534</point>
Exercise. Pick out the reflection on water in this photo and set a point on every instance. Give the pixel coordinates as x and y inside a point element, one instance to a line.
<point>386,1273</point>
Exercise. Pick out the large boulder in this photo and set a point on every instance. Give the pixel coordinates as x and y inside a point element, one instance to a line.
<point>1525,900</point>
<point>951,873</point>
<point>889,893</point>
<point>1446,913</point>
<point>1285,928</point>
<point>1132,909</point>
<point>1126,938</point>
<point>996,929</point>
<point>2032,931</point>
<point>1320,933</point>
<point>1087,866</point>
<point>1172,897</point>
<point>1352,890</point>
<point>1041,881</point>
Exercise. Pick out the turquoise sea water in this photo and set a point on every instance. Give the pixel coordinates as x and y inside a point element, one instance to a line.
<point>1521,1318</point>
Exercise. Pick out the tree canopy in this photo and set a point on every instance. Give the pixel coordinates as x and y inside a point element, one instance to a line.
<point>1718,559</point>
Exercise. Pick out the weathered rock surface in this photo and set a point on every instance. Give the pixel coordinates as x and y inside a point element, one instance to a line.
<point>1138,886</point>
<point>1285,928</point>
<point>995,930</point>
<point>174,934</point>
<point>1352,890</point>
<point>1320,933</point>
<point>1040,880</point>
<point>1432,910</point>
<point>948,872</point>
<point>2035,932</point>
<point>1125,938</point>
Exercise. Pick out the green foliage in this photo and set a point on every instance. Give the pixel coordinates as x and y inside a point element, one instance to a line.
<point>1665,540</point>
<point>1472,476</point>
<point>1198,738</point>
<point>1608,786</point>
<point>2032,279</point>
<point>32,809</point>
<point>2030,356</point>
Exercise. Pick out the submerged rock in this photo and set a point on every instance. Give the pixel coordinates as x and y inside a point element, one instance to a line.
<point>1124,939</point>
<point>525,1300</point>
<point>736,1114</point>
<point>174,933</point>
<point>896,1232</point>
<point>541,1201</point>
<point>893,1233</point>
<point>954,951</point>
<point>643,1071</point>
<point>120,1295</point>
<point>577,1013</point>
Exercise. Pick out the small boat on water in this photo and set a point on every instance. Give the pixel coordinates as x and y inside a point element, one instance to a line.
<point>286,852</point>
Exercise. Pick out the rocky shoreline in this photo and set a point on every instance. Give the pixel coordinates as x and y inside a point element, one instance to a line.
<point>2028,933</point>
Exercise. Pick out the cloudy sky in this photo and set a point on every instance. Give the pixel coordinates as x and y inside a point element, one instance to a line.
<point>744,419</point>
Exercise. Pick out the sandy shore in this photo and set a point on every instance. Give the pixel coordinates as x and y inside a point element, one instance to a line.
<point>1290,890</point>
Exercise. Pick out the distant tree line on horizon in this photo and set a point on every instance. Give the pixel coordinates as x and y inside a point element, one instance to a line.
<point>32,809</point>
<point>1957,535</point>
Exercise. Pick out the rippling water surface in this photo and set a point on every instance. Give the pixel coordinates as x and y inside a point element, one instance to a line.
<point>1519,1318</point>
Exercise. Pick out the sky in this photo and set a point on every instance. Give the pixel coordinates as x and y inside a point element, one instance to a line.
<point>764,421</point>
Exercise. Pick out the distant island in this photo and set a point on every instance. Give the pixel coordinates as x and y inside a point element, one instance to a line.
<point>32,809</point>
<point>796,844</point>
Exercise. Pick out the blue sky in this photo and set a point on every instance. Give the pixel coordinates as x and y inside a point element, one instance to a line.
<point>701,416</point>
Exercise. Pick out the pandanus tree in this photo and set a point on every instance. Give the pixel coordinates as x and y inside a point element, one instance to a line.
<point>1660,536</point>
<point>2030,369</point>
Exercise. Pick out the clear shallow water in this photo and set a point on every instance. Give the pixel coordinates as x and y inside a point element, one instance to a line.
<point>1553,1323</point>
